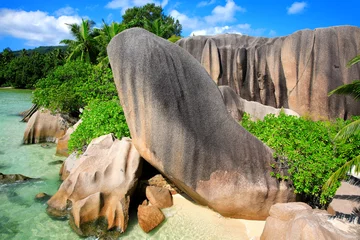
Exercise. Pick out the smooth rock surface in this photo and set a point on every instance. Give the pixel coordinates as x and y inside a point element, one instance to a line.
<point>159,197</point>
<point>43,126</point>
<point>99,187</point>
<point>180,125</point>
<point>237,106</point>
<point>296,71</point>
<point>297,221</point>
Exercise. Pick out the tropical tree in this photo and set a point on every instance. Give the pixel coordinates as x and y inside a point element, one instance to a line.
<point>140,16</point>
<point>158,27</point>
<point>352,89</point>
<point>84,47</point>
<point>103,39</point>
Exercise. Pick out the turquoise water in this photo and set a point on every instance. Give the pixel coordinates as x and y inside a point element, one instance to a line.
<point>21,217</point>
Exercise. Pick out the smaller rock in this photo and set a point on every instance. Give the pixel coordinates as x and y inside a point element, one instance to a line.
<point>159,197</point>
<point>149,217</point>
<point>11,178</point>
<point>159,181</point>
<point>40,197</point>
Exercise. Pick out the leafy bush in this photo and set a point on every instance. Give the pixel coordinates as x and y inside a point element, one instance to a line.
<point>73,86</point>
<point>307,149</point>
<point>99,118</point>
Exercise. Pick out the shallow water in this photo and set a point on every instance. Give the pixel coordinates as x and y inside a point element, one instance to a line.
<point>21,217</point>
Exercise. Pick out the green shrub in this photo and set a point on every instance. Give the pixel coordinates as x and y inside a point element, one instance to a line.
<point>73,86</point>
<point>307,149</point>
<point>99,118</point>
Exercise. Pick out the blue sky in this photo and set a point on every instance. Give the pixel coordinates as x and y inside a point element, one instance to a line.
<point>29,24</point>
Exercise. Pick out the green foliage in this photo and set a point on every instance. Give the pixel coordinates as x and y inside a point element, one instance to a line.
<point>306,148</point>
<point>74,85</point>
<point>350,130</point>
<point>84,47</point>
<point>99,118</point>
<point>27,68</point>
<point>174,38</point>
<point>148,15</point>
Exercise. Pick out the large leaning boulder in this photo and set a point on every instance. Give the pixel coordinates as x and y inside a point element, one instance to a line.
<point>180,125</point>
<point>296,71</point>
<point>99,188</point>
<point>237,106</point>
<point>43,126</point>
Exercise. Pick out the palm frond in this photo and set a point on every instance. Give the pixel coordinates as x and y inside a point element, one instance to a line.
<point>353,61</point>
<point>352,89</point>
<point>342,172</point>
<point>347,131</point>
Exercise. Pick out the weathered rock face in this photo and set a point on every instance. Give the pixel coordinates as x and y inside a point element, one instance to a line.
<point>99,187</point>
<point>149,217</point>
<point>297,221</point>
<point>295,72</point>
<point>44,127</point>
<point>180,125</point>
<point>237,106</point>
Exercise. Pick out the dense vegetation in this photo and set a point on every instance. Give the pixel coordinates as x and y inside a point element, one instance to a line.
<point>25,70</point>
<point>99,118</point>
<point>22,69</point>
<point>306,150</point>
<point>73,86</point>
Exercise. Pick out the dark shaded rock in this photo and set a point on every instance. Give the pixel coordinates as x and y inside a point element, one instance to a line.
<point>42,197</point>
<point>28,113</point>
<point>149,217</point>
<point>99,187</point>
<point>296,71</point>
<point>57,162</point>
<point>12,178</point>
<point>180,125</point>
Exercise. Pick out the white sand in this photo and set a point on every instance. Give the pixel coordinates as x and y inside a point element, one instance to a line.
<point>205,218</point>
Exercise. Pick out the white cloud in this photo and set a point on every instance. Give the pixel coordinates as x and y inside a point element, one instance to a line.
<point>36,27</point>
<point>125,4</point>
<point>272,33</point>
<point>244,29</point>
<point>205,3</point>
<point>207,24</point>
<point>224,13</point>
<point>296,7</point>
<point>186,22</point>
<point>66,11</point>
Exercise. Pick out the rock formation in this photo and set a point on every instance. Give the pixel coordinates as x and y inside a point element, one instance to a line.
<point>149,217</point>
<point>159,197</point>
<point>12,178</point>
<point>296,71</point>
<point>43,126</point>
<point>237,106</point>
<point>99,187</point>
<point>180,125</point>
<point>297,221</point>
<point>62,143</point>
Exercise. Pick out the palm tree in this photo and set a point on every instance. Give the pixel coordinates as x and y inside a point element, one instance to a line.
<point>158,27</point>
<point>352,89</point>
<point>104,37</point>
<point>84,47</point>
